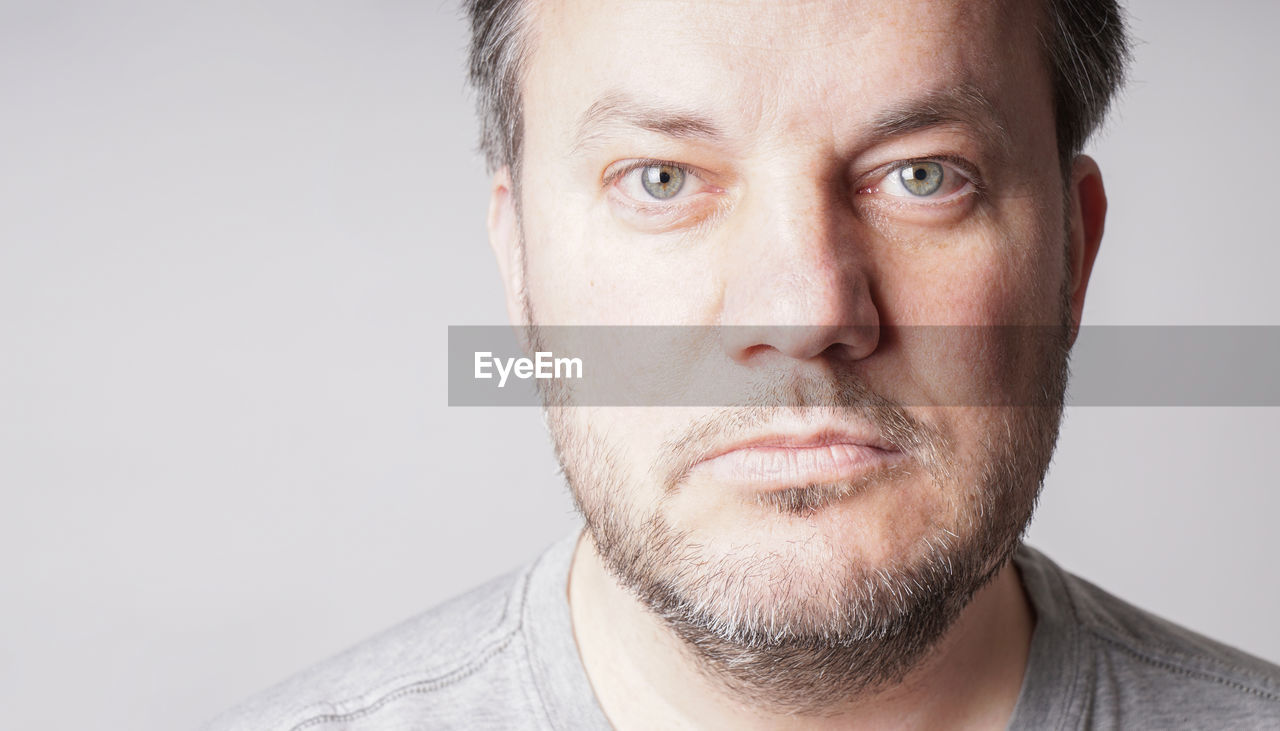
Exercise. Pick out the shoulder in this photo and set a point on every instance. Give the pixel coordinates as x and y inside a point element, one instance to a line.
<point>439,662</point>
<point>1143,666</point>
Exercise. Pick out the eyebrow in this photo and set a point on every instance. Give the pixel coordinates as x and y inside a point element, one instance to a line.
<point>964,105</point>
<point>618,109</point>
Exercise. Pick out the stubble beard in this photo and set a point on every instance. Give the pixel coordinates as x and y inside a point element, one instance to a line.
<point>801,629</point>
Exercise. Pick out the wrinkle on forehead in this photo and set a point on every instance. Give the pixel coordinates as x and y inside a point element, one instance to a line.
<point>815,71</point>
<point>774,25</point>
<point>804,39</point>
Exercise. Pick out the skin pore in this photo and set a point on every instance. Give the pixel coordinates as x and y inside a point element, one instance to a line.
<point>802,145</point>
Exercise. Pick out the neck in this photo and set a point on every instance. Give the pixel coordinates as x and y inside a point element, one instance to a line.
<point>644,676</point>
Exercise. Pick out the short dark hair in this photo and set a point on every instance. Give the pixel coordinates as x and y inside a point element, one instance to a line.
<point>1086,43</point>
<point>1086,46</point>
<point>500,44</point>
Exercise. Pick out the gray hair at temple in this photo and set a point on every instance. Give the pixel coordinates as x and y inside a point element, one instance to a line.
<point>1085,43</point>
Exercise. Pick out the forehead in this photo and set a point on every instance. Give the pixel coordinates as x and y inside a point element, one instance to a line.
<point>816,68</point>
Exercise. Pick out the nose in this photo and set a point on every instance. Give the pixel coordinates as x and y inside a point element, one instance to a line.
<point>799,281</point>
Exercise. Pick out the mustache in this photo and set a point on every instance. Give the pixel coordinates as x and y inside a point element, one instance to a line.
<point>841,403</point>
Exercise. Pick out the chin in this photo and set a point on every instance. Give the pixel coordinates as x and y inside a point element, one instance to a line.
<point>846,528</point>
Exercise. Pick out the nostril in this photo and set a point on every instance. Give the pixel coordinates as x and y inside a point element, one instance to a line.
<point>746,344</point>
<point>753,353</point>
<point>854,342</point>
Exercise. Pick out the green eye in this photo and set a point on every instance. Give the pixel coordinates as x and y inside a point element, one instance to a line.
<point>921,178</point>
<point>662,181</point>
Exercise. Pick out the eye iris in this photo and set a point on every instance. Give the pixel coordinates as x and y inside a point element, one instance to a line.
<point>922,179</point>
<point>662,181</point>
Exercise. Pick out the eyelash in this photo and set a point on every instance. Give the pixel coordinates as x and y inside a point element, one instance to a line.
<point>961,165</point>
<point>612,176</point>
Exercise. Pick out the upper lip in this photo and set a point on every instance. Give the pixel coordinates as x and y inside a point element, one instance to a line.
<point>805,439</point>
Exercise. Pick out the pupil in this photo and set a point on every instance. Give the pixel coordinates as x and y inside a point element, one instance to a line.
<point>664,177</point>
<point>920,174</point>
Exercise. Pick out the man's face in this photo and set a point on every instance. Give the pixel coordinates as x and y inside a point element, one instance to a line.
<point>854,167</point>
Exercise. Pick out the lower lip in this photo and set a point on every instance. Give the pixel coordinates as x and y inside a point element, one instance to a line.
<point>783,467</point>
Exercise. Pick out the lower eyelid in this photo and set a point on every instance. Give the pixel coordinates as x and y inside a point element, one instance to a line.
<point>960,197</point>
<point>651,208</point>
<point>663,217</point>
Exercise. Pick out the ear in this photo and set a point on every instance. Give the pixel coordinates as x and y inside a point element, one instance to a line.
<point>505,240</point>
<point>1088,211</point>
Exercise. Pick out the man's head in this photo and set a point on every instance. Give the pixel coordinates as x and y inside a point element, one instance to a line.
<point>814,188</point>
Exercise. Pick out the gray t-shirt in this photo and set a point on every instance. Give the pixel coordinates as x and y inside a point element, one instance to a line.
<point>503,657</point>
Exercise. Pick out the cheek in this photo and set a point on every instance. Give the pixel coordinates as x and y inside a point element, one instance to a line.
<point>581,268</point>
<point>972,314</point>
<point>1000,268</point>
<point>560,276</point>
<point>616,454</point>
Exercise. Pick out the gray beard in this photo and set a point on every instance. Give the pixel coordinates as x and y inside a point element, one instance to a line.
<point>781,649</point>
<point>887,619</point>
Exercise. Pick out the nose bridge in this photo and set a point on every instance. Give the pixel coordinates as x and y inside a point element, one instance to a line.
<point>806,246</point>
<point>802,282</point>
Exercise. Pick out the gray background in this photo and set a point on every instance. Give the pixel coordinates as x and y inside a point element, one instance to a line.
<point>232,236</point>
